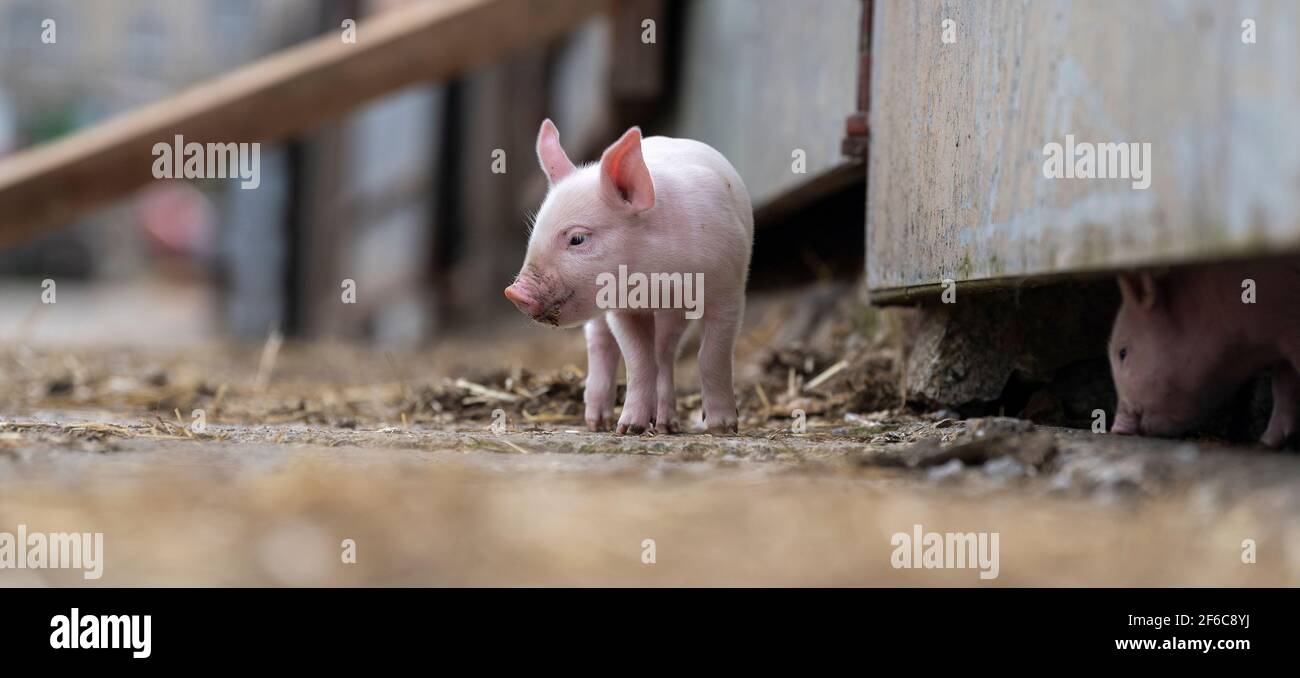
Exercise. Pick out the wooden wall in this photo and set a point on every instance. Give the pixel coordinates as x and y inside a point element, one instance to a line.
<point>956,188</point>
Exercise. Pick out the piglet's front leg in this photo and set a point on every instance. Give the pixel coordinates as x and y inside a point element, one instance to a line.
<point>669,326</point>
<point>636,339</point>
<point>602,370</point>
<point>1285,421</point>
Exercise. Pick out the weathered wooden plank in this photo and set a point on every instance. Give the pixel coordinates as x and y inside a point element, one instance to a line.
<point>274,98</point>
<point>956,183</point>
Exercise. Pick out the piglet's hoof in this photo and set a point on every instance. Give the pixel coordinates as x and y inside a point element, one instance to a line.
<point>731,428</point>
<point>598,424</point>
<point>669,427</point>
<point>1276,440</point>
<point>723,425</point>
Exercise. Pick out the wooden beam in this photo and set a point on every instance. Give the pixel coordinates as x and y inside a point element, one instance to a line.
<point>272,99</point>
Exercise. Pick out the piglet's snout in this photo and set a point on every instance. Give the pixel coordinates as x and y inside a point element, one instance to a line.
<point>522,298</point>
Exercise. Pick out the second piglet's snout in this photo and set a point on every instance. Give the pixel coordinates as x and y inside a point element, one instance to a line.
<point>1184,341</point>
<point>669,210</point>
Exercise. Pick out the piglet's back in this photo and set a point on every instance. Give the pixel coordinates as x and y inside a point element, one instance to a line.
<point>685,157</point>
<point>1219,293</point>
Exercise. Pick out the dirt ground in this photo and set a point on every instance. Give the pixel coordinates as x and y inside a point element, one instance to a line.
<point>467,464</point>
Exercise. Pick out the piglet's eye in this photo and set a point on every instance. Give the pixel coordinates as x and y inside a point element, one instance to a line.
<point>577,239</point>
<point>1123,353</point>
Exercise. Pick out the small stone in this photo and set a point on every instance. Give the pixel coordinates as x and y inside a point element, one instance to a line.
<point>1004,467</point>
<point>946,470</point>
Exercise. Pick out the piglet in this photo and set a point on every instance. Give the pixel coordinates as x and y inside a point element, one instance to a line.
<point>674,209</point>
<point>1185,341</point>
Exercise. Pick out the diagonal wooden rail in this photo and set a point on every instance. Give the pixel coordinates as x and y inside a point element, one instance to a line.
<point>272,99</point>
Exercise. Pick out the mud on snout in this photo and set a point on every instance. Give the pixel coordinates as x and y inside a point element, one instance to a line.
<point>550,295</point>
<point>550,313</point>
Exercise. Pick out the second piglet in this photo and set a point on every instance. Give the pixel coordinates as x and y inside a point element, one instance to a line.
<point>1185,341</point>
<point>665,222</point>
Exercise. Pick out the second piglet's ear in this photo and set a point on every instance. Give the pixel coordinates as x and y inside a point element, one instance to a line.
<point>624,177</point>
<point>1139,289</point>
<point>555,162</point>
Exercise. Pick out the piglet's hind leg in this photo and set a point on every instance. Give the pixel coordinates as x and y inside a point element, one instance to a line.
<point>1282,425</point>
<point>717,347</point>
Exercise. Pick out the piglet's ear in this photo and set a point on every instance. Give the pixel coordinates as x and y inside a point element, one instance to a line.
<point>624,177</point>
<point>1139,289</point>
<point>554,161</point>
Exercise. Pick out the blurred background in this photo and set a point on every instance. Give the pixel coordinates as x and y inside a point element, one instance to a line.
<point>398,194</point>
